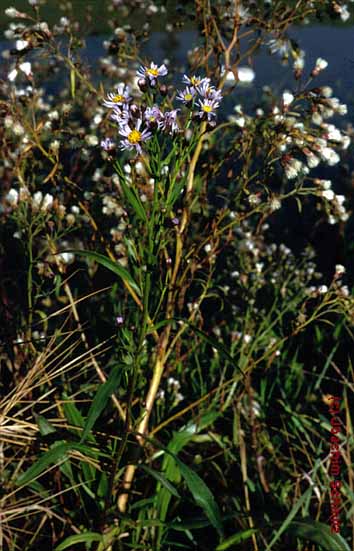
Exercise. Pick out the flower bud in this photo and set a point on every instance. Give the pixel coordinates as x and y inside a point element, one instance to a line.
<point>143,85</point>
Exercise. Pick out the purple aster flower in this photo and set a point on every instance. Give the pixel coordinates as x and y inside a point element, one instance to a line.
<point>195,81</point>
<point>121,115</point>
<point>134,137</point>
<point>118,98</point>
<point>207,108</point>
<point>209,92</point>
<point>153,115</point>
<point>107,144</point>
<point>187,95</point>
<point>152,73</point>
<point>169,121</point>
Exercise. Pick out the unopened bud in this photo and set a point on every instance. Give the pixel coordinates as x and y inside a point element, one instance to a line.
<point>163,89</point>
<point>142,83</point>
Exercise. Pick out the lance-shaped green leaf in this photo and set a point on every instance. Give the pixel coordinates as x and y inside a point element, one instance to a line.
<point>202,495</point>
<point>160,478</point>
<point>236,538</point>
<point>55,455</point>
<point>86,537</point>
<point>318,533</point>
<point>99,403</point>
<point>134,200</point>
<point>110,265</point>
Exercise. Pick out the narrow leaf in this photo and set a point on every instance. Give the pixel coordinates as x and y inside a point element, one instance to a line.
<point>86,537</point>
<point>319,533</point>
<point>110,265</point>
<point>99,403</point>
<point>202,495</point>
<point>236,538</point>
<point>134,201</point>
<point>55,455</point>
<point>160,478</point>
<point>44,426</point>
<point>290,517</point>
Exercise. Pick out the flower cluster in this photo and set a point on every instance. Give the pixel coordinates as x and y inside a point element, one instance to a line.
<point>137,123</point>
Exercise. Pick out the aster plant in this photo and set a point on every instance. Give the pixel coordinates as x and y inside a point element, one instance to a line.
<point>157,393</point>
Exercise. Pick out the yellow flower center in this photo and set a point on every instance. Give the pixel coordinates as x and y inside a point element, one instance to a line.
<point>207,108</point>
<point>195,81</point>
<point>118,98</point>
<point>188,97</point>
<point>153,72</point>
<point>134,136</point>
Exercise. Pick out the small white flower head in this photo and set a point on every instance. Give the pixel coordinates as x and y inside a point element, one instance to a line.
<point>25,67</point>
<point>47,202</point>
<point>344,290</point>
<point>12,75</point>
<point>345,143</point>
<point>326,91</point>
<point>311,158</point>
<point>21,45</point>
<point>254,199</point>
<point>12,197</point>
<point>320,65</point>
<point>275,204</point>
<point>37,200</point>
<point>8,121</point>
<point>292,167</point>
<point>66,258</point>
<point>332,133</point>
<point>54,146</point>
<point>344,13</point>
<point>13,12</point>
<point>288,98</point>
<point>340,269</point>
<point>328,194</point>
<point>340,199</point>
<point>299,61</point>
<point>92,140</point>
<point>246,75</point>
<point>342,109</point>
<point>24,193</point>
<point>18,129</point>
<point>323,289</point>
